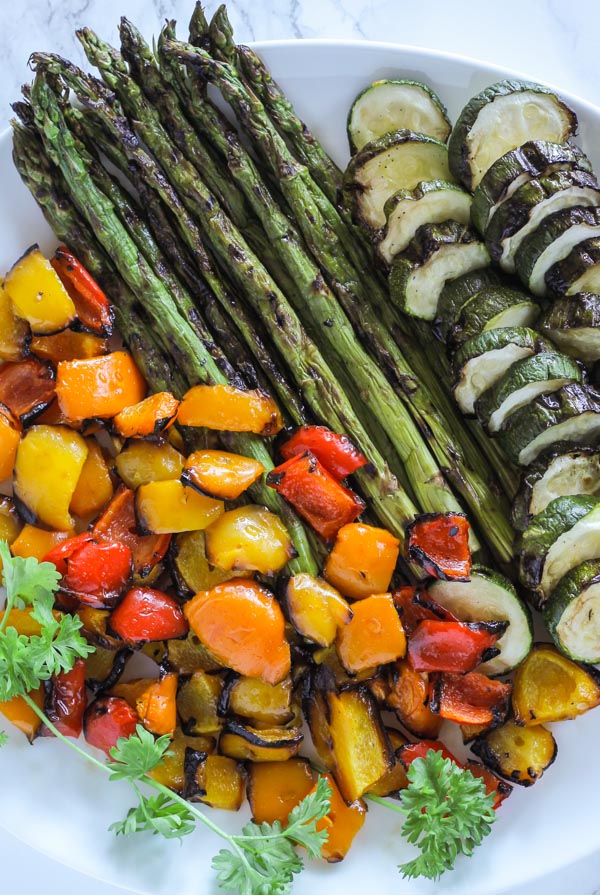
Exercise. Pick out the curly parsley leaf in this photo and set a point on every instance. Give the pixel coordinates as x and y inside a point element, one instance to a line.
<point>3,738</point>
<point>136,755</point>
<point>159,814</point>
<point>26,580</point>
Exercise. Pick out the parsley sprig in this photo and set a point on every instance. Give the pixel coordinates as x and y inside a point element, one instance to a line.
<point>261,860</point>
<point>448,813</point>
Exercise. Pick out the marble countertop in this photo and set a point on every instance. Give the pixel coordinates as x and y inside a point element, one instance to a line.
<point>550,40</point>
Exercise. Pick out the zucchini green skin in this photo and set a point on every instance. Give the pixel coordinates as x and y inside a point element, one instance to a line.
<point>559,517</point>
<point>454,295</point>
<point>525,425</point>
<point>552,228</point>
<point>426,243</point>
<point>573,322</point>
<point>546,366</point>
<point>492,339</point>
<point>572,601</point>
<point>532,159</point>
<point>356,139</point>
<point>459,144</point>
<point>516,642</point>
<point>396,235</point>
<point>569,188</point>
<point>561,278</point>
<point>482,308</point>
<point>354,185</point>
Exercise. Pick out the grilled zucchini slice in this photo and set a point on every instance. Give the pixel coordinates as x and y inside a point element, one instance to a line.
<point>484,359</point>
<point>500,118</point>
<point>559,538</point>
<point>454,295</point>
<point>572,613</point>
<point>560,472</point>
<point>578,272</point>
<point>388,105</point>
<point>540,374</point>
<point>573,323</point>
<point>493,308</point>
<point>397,161</point>
<point>535,158</point>
<point>432,202</point>
<point>570,414</point>
<point>552,241</point>
<point>530,204</point>
<point>437,253</point>
<point>490,596</point>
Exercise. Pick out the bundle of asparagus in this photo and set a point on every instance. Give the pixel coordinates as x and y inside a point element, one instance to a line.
<point>233,268</point>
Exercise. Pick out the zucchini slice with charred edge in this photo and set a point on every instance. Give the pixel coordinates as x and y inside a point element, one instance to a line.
<point>484,359</point>
<point>397,161</point>
<point>437,253</point>
<point>500,118</point>
<point>572,413</point>
<point>572,613</point>
<point>560,472</point>
<point>431,202</point>
<point>512,170</point>
<point>552,241</point>
<point>540,197</point>
<point>520,754</point>
<point>539,374</point>
<point>563,535</point>
<point>388,105</point>
<point>490,596</point>
<point>492,308</point>
<point>578,272</point>
<point>454,295</point>
<point>573,322</point>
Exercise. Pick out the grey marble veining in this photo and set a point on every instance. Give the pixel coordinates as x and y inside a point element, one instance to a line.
<point>551,40</point>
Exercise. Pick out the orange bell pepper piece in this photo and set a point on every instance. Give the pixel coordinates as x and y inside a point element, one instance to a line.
<point>342,823</point>
<point>10,433</point>
<point>37,542</point>
<point>19,713</point>
<point>230,409</point>
<point>149,417</point>
<point>373,636</point>
<point>275,787</point>
<point>68,345</point>
<point>154,701</point>
<point>362,561</point>
<point>220,473</point>
<point>98,386</point>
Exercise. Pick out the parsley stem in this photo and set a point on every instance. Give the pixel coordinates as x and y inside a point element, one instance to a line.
<point>385,802</point>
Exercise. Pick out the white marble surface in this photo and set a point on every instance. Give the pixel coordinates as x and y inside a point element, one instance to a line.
<point>551,40</point>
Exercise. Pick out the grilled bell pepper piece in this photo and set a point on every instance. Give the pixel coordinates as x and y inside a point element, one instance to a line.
<point>38,295</point>
<point>65,701</point>
<point>19,713</point>
<point>107,719</point>
<point>198,703</point>
<point>315,494</point>
<point>98,573</point>
<point>439,542</point>
<point>315,608</point>
<point>408,696</point>
<point>10,521</point>
<point>230,409</point>
<point>373,636</point>
<point>94,488</point>
<point>15,334</point>
<point>410,751</point>
<point>274,788</point>
<point>215,780</point>
<point>145,614</point>
<point>242,625</point>
<point>415,605</point>
<point>153,415</point>
<point>68,345</point>
<point>470,698</point>
<point>249,538</point>
<point>550,687</point>
<point>153,701</point>
<point>118,523</point>
<point>168,507</point>
<point>500,789</point>
<point>94,311</point>
<point>362,560</point>
<point>247,743</point>
<point>47,468</point>
<point>27,388</point>
<point>98,387</point>
<point>141,462</point>
<point>342,822</point>
<point>10,434</point>
<point>335,452</point>
<point>220,473</point>
<point>455,647</point>
<point>37,542</point>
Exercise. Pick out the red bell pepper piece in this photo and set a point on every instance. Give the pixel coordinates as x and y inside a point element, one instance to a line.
<point>65,701</point>
<point>107,719</point>
<point>118,523</point>
<point>315,494</point>
<point>453,646</point>
<point>415,605</point>
<point>98,573</point>
<point>63,551</point>
<point>439,542</point>
<point>335,452</point>
<point>94,311</point>
<point>27,388</point>
<point>500,789</point>
<point>145,615</point>
<point>469,698</point>
<point>410,751</point>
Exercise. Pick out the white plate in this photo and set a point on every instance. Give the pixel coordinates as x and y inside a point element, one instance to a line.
<point>57,804</point>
